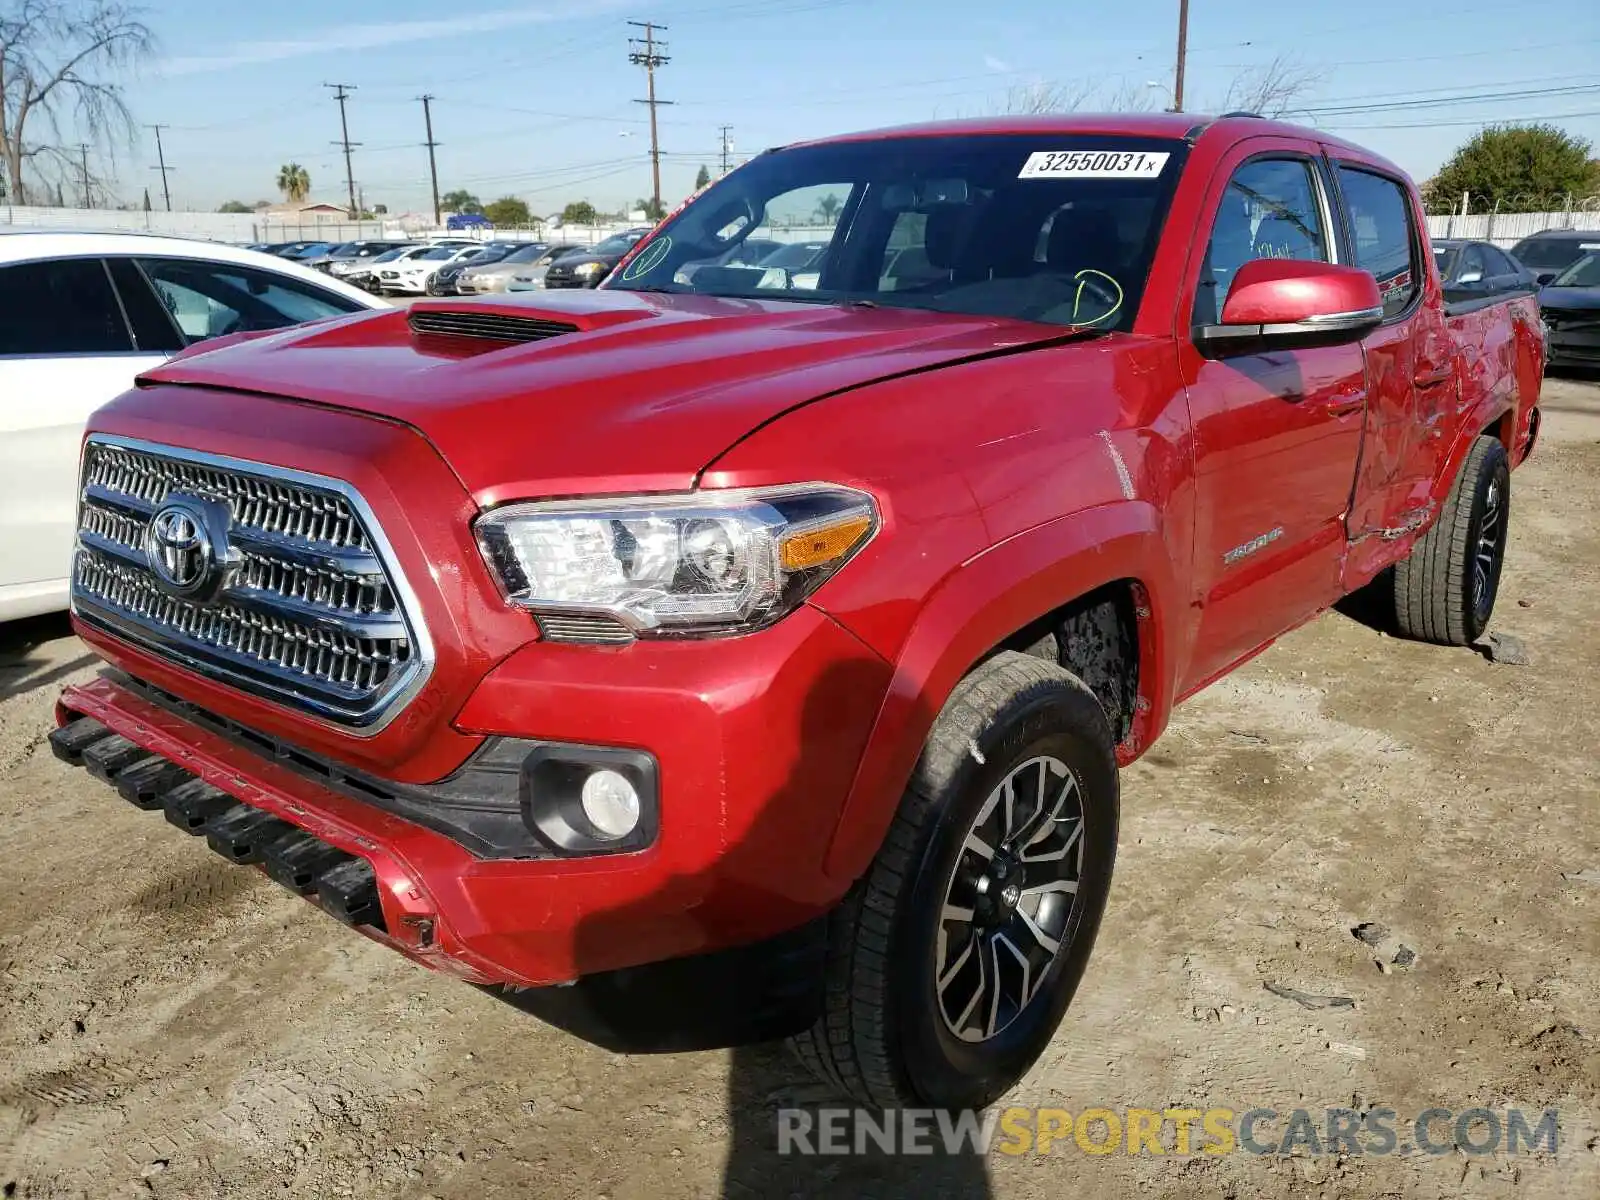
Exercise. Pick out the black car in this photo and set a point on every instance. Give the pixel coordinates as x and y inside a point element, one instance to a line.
<point>1570,305</point>
<point>1549,253</point>
<point>443,281</point>
<point>1478,269</point>
<point>588,269</point>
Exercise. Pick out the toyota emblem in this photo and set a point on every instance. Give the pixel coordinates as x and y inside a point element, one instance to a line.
<point>179,547</point>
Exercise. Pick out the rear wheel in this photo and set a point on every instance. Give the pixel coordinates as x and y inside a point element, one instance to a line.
<point>1445,590</point>
<point>952,961</point>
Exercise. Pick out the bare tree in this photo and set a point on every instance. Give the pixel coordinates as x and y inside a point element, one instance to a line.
<point>61,64</point>
<point>1036,99</point>
<point>1274,89</point>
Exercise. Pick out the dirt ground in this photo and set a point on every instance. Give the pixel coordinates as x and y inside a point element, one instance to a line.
<point>172,1026</point>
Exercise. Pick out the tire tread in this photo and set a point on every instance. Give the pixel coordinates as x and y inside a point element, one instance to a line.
<point>1431,583</point>
<point>850,1047</point>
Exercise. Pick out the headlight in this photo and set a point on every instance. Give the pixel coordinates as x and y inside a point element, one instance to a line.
<point>589,268</point>
<point>683,564</point>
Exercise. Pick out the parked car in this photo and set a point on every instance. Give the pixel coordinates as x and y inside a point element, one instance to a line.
<point>1478,268</point>
<point>1570,306</point>
<point>343,258</point>
<point>444,281</point>
<point>1552,251</point>
<point>529,276</point>
<point>762,665</point>
<point>296,251</point>
<point>586,270</point>
<point>409,274</point>
<point>81,314</point>
<point>364,273</point>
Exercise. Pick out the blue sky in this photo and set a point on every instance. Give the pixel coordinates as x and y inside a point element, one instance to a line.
<point>536,99</point>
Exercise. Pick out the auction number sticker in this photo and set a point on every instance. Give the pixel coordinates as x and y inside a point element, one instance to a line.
<point>1093,164</point>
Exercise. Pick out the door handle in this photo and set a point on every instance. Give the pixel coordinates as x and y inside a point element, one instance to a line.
<point>1432,376</point>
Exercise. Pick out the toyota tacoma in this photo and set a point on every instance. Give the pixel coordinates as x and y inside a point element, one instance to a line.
<point>690,663</point>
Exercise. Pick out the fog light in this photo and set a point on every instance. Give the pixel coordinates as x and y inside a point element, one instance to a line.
<point>611,803</point>
<point>590,799</point>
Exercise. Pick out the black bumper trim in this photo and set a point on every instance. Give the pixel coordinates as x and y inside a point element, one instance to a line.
<point>344,885</point>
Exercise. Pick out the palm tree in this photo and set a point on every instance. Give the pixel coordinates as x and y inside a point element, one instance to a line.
<point>828,207</point>
<point>294,181</point>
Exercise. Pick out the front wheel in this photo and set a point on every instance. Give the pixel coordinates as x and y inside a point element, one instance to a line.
<point>951,963</point>
<point>1445,589</point>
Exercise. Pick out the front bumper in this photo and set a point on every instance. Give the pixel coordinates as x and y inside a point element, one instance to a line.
<point>757,739</point>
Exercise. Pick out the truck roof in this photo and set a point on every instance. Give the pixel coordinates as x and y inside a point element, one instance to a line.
<point>1190,126</point>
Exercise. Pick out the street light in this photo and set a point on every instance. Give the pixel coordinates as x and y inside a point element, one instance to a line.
<point>1161,87</point>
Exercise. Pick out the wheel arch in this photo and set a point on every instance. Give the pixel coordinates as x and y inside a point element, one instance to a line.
<point>988,605</point>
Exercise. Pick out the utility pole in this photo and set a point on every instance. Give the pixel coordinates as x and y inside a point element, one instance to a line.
<point>341,93</point>
<point>1183,55</point>
<point>88,196</point>
<point>433,168</point>
<point>651,57</point>
<point>726,146</point>
<point>163,168</point>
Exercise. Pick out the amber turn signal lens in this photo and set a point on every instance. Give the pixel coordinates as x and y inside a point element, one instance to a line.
<point>818,546</point>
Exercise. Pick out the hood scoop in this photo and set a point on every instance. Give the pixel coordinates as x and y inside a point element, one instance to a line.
<point>485,326</point>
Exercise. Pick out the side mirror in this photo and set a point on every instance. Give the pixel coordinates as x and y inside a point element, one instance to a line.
<point>1284,303</point>
<point>1544,277</point>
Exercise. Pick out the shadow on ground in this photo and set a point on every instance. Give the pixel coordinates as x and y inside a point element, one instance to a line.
<point>22,666</point>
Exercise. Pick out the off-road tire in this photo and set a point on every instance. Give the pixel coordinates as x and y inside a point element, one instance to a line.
<point>881,1039</point>
<point>1434,594</point>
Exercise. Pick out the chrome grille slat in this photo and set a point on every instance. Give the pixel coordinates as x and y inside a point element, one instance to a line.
<point>257,502</point>
<point>309,613</point>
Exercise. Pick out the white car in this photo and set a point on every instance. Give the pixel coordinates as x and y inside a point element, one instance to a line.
<point>82,314</point>
<point>409,273</point>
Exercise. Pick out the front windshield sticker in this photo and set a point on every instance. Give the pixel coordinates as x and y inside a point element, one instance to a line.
<point>1093,164</point>
<point>648,258</point>
<point>1086,279</point>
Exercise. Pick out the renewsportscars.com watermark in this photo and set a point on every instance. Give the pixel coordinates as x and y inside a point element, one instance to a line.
<point>1175,1131</point>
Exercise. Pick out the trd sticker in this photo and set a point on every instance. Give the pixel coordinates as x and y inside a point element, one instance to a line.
<point>1093,164</point>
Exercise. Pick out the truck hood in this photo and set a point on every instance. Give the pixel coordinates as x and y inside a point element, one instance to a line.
<point>631,392</point>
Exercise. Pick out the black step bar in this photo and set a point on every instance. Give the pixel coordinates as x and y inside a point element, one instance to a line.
<point>344,885</point>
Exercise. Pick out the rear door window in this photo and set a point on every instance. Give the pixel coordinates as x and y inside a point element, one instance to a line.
<point>65,306</point>
<point>1383,235</point>
<point>214,299</point>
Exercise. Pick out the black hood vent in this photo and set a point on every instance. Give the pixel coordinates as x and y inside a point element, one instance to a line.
<point>486,326</point>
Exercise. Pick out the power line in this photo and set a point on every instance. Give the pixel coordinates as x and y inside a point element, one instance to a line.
<point>433,167</point>
<point>341,93</point>
<point>1474,121</point>
<point>650,58</point>
<point>1444,101</point>
<point>161,158</point>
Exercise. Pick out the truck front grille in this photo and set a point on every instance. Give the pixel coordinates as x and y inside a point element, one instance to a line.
<point>269,580</point>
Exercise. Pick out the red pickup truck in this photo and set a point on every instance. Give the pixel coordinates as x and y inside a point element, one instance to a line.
<point>744,651</point>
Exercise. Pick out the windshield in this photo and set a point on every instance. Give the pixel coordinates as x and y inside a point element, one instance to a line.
<point>795,256</point>
<point>1543,254</point>
<point>390,255</point>
<point>525,254</point>
<point>1055,228</point>
<point>1583,273</point>
<point>619,243</point>
<point>439,252</point>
